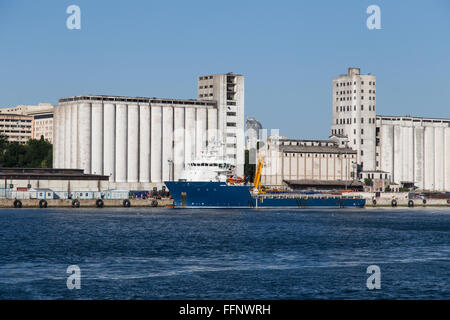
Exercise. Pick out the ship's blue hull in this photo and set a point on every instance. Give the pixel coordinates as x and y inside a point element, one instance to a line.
<point>220,195</point>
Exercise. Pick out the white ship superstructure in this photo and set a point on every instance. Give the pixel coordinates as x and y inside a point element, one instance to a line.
<point>211,165</point>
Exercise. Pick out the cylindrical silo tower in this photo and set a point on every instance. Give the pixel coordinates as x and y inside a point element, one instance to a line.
<point>133,143</point>
<point>178,147</point>
<point>121,142</point>
<point>75,152</point>
<point>84,125</point>
<point>109,141</point>
<point>429,161</point>
<point>144,142</point>
<point>97,139</point>
<point>156,145</point>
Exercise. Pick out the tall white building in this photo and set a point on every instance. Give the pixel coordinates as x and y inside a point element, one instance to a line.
<point>142,142</point>
<point>407,150</point>
<point>354,114</point>
<point>228,92</point>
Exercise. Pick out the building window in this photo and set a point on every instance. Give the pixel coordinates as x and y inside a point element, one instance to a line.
<point>362,131</point>
<point>362,107</point>
<point>362,120</point>
<point>362,141</point>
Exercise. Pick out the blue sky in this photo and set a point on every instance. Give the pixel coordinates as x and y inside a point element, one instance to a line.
<point>289,52</point>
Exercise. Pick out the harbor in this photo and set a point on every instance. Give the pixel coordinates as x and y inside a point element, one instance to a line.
<point>224,156</point>
<point>163,253</point>
<point>400,200</point>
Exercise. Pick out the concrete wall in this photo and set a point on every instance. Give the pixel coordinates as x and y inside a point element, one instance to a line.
<point>279,166</point>
<point>138,145</point>
<point>214,87</point>
<point>60,185</point>
<point>413,150</point>
<point>354,113</point>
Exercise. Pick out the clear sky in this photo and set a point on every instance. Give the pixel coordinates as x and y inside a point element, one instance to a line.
<point>289,52</point>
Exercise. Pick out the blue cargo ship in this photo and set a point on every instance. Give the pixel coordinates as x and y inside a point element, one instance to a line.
<point>195,194</point>
<point>207,183</point>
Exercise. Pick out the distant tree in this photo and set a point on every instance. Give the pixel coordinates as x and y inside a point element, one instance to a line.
<point>3,142</point>
<point>33,154</point>
<point>368,182</point>
<point>13,155</point>
<point>3,147</point>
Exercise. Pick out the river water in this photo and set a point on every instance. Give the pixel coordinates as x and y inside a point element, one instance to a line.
<point>152,253</point>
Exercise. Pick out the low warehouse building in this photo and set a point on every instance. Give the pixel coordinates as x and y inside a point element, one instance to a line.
<point>310,163</point>
<point>67,180</point>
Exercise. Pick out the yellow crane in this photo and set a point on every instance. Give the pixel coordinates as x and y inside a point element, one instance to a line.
<point>257,180</point>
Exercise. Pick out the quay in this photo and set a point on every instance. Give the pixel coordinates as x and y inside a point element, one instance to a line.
<point>167,202</point>
<point>92,203</point>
